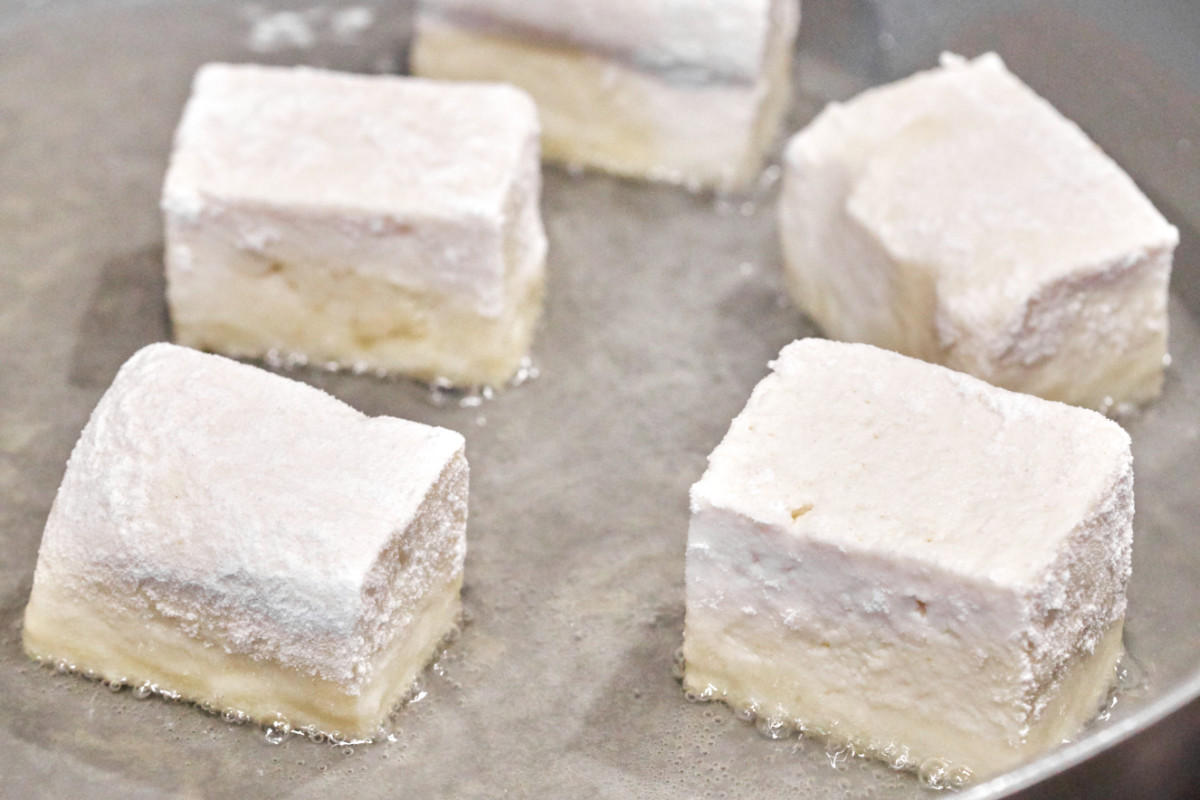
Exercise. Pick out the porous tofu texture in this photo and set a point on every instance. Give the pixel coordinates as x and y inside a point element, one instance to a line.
<point>377,223</point>
<point>902,556</point>
<point>653,89</point>
<point>957,217</point>
<point>250,542</point>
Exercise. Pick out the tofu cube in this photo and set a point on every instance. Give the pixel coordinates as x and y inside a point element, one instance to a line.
<point>377,223</point>
<point>957,217</point>
<point>247,542</point>
<point>688,93</point>
<point>897,555</point>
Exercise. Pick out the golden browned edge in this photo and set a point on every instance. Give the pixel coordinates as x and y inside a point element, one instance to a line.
<point>138,648</point>
<point>721,673</point>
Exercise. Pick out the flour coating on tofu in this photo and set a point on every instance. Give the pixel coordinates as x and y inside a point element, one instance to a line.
<point>683,92</point>
<point>905,557</point>
<point>249,542</point>
<point>378,223</point>
<point>957,217</point>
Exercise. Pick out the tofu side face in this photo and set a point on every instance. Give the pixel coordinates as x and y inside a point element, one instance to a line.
<point>957,217</point>
<point>890,552</point>
<point>647,90</point>
<point>380,223</point>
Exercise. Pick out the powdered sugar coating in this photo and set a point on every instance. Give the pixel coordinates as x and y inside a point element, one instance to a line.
<point>263,515</point>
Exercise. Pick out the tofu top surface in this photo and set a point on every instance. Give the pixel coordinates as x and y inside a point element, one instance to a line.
<point>874,452</point>
<point>204,474</point>
<point>965,170</point>
<point>703,38</point>
<point>301,138</point>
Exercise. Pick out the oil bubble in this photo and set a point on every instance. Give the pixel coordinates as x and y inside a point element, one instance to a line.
<point>278,731</point>
<point>936,773</point>
<point>526,371</point>
<point>773,727</point>
<point>748,713</point>
<point>234,717</point>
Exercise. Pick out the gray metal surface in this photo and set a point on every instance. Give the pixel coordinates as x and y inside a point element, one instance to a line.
<point>663,310</point>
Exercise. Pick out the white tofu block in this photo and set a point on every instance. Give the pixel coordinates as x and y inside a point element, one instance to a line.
<point>901,556</point>
<point>957,217</point>
<point>682,92</point>
<point>378,223</point>
<point>248,542</point>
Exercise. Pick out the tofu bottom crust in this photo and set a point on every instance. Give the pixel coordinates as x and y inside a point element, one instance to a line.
<point>785,680</point>
<point>126,646</point>
<point>249,307</point>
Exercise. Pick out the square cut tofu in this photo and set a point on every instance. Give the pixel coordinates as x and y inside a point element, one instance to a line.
<point>249,542</point>
<point>957,217</point>
<point>683,92</point>
<point>904,557</point>
<point>377,223</point>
